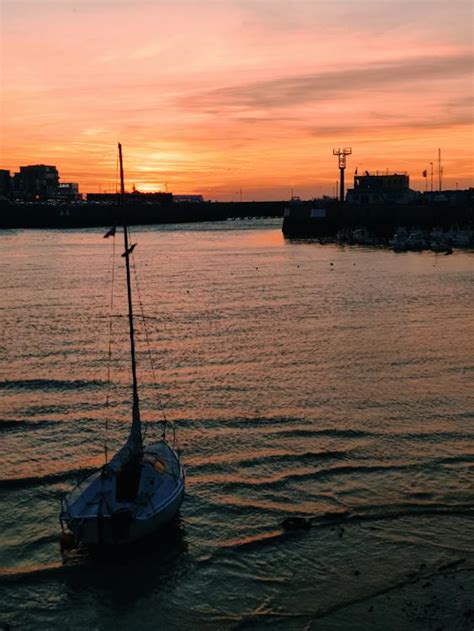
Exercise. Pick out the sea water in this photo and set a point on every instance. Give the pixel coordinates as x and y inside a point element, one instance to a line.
<point>320,381</point>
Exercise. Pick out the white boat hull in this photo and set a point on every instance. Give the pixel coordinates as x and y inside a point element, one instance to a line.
<point>108,531</point>
<point>101,512</point>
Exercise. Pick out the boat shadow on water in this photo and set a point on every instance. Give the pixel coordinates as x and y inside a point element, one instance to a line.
<point>154,563</point>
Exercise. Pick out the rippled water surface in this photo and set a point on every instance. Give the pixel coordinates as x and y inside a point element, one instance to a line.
<point>303,380</point>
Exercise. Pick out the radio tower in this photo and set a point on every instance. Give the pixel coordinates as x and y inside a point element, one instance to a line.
<point>341,154</point>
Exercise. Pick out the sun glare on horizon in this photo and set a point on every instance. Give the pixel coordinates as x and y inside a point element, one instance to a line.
<point>235,94</point>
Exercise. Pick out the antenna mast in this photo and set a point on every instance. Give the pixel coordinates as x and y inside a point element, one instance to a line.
<point>440,170</point>
<point>341,154</point>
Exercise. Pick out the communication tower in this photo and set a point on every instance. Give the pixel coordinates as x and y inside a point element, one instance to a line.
<point>341,154</point>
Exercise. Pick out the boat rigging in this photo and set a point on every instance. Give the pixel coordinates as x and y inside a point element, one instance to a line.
<point>142,487</point>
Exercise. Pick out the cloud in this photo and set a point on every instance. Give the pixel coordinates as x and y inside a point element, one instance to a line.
<point>296,90</point>
<point>392,124</point>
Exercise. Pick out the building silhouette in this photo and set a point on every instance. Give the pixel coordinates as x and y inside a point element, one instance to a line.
<point>5,183</point>
<point>37,182</point>
<point>375,188</point>
<point>131,198</point>
<point>67,192</point>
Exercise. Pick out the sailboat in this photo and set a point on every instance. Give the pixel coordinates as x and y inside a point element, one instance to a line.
<point>141,488</point>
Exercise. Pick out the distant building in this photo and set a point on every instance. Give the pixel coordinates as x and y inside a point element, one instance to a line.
<point>381,188</point>
<point>38,182</point>
<point>68,192</point>
<point>130,198</point>
<point>193,199</point>
<point>5,183</point>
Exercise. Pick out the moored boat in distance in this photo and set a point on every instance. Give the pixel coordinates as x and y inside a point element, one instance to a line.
<point>439,241</point>
<point>416,241</point>
<point>399,240</point>
<point>142,487</point>
<point>461,237</point>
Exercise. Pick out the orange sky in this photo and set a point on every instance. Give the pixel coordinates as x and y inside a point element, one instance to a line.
<point>211,96</point>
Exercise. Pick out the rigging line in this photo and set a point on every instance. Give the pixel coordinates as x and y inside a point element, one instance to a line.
<point>116,173</point>
<point>142,313</point>
<point>160,404</point>
<point>109,359</point>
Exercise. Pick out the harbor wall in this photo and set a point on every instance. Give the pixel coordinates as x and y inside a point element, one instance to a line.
<point>89,214</point>
<point>323,218</point>
<point>312,219</point>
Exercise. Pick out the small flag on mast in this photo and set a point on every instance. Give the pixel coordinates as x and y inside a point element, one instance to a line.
<point>425,173</point>
<point>110,233</point>
<point>129,250</point>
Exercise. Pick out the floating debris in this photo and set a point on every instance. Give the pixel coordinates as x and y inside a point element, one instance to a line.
<point>296,523</point>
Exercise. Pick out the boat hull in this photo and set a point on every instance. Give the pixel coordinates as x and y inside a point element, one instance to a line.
<point>113,530</point>
<point>107,509</point>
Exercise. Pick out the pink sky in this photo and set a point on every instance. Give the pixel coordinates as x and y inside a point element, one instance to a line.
<point>214,96</point>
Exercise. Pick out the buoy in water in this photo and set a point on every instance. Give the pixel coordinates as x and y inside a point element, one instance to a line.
<point>296,523</point>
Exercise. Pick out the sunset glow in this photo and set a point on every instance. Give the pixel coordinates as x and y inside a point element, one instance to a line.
<point>212,97</point>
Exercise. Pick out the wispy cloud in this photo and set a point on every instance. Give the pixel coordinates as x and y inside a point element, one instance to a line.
<point>324,86</point>
<point>227,93</point>
<point>371,129</point>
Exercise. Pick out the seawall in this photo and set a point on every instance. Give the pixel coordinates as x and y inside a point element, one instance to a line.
<point>326,218</point>
<point>89,214</point>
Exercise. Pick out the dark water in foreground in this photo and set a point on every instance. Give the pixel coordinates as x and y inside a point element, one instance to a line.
<point>302,379</point>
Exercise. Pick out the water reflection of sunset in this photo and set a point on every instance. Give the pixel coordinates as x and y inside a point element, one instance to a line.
<point>324,381</point>
<point>227,96</point>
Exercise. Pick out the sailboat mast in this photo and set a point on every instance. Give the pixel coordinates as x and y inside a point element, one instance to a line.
<point>135,434</point>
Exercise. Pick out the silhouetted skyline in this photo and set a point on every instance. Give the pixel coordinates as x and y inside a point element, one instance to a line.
<point>217,97</point>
